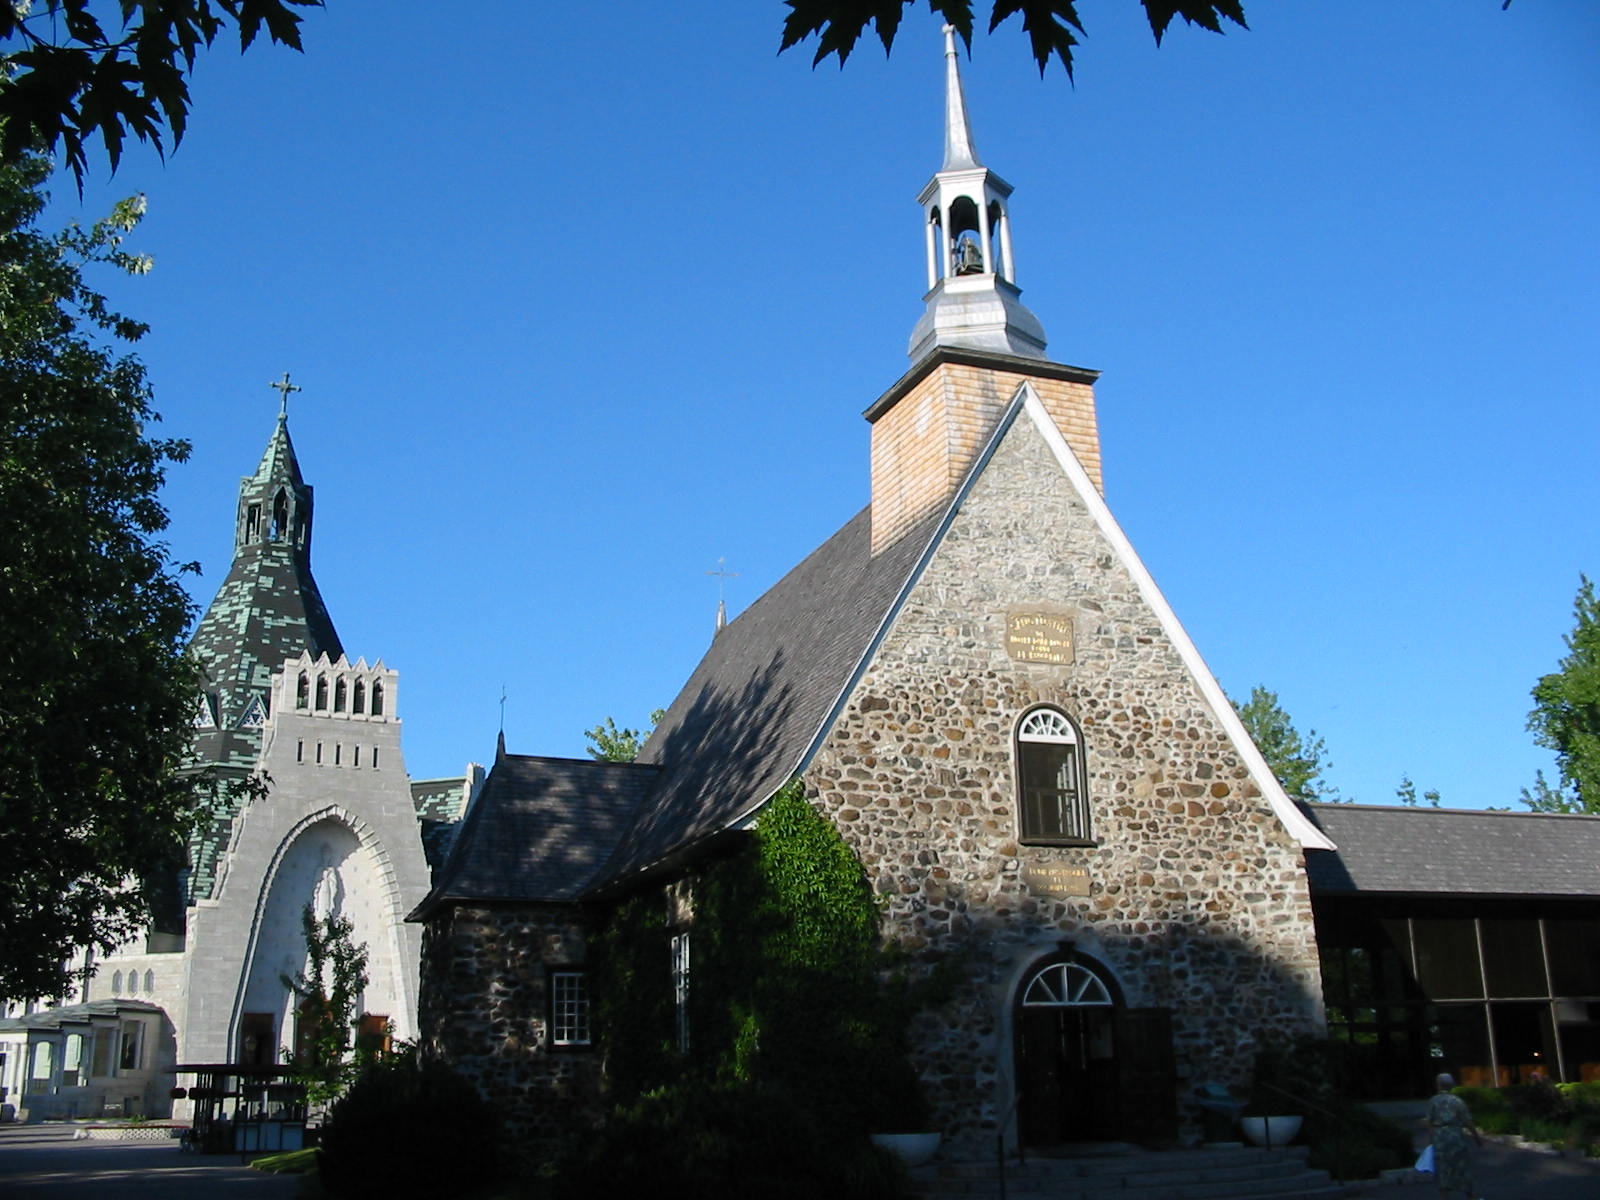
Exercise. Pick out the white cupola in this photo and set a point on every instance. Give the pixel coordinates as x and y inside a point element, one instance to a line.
<point>973,300</point>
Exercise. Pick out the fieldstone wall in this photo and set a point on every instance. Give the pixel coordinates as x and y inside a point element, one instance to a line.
<point>485,1011</point>
<point>1196,897</point>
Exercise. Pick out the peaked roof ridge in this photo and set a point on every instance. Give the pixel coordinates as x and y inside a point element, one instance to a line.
<point>585,762</point>
<point>1439,810</point>
<point>1296,823</point>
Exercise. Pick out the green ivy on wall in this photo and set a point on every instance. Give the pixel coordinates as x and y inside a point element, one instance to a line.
<point>790,985</point>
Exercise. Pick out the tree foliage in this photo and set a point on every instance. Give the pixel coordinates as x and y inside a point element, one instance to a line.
<point>1406,793</point>
<point>1049,24</point>
<point>1566,716</point>
<point>97,694</point>
<point>327,990</point>
<point>608,743</point>
<point>68,73</point>
<point>1295,759</point>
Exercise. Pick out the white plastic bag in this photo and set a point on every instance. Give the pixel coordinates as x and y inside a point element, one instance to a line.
<point>1425,1161</point>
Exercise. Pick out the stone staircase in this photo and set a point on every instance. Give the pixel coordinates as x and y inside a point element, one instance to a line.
<point>1222,1173</point>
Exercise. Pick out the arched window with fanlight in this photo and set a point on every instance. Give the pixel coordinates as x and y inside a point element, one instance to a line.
<point>1053,799</point>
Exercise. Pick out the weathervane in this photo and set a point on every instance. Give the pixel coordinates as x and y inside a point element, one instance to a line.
<point>284,386</point>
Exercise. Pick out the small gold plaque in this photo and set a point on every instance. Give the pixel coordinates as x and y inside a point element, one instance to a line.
<point>1039,637</point>
<point>1055,880</point>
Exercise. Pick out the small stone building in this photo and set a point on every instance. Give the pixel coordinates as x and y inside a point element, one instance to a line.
<point>981,685</point>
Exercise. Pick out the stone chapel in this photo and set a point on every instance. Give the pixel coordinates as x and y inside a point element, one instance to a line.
<point>981,685</point>
<point>340,827</point>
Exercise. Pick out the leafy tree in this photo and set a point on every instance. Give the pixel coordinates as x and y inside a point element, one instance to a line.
<point>97,694</point>
<point>1406,793</point>
<point>611,744</point>
<point>1295,759</point>
<point>64,77</point>
<point>1566,716</point>
<point>335,975</point>
<point>1049,24</point>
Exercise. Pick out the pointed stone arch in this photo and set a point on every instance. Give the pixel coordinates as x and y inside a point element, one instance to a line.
<point>368,882</point>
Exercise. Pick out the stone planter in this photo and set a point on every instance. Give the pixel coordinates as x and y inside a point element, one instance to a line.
<point>1270,1131</point>
<point>912,1149</point>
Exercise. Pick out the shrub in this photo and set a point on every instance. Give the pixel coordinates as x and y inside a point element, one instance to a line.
<point>1583,1097</point>
<point>1482,1101</point>
<point>1312,1077</point>
<point>727,1141</point>
<point>1538,1101</point>
<point>407,1129</point>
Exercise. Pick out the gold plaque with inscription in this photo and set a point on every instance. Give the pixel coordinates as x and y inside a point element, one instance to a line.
<point>1039,637</point>
<point>1056,880</point>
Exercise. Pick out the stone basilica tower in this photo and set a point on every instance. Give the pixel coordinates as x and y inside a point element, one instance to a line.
<point>337,827</point>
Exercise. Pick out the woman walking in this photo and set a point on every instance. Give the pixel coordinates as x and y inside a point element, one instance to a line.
<point>1451,1123</point>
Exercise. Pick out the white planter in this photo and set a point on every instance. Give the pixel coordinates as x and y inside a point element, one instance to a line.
<point>1270,1131</point>
<point>913,1149</point>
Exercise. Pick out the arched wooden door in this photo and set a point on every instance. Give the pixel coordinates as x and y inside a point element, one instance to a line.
<point>1089,1069</point>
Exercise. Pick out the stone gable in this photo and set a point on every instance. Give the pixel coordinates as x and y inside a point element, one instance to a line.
<point>1196,895</point>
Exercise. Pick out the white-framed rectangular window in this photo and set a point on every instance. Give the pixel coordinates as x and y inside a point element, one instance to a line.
<point>680,988</point>
<point>569,1008</point>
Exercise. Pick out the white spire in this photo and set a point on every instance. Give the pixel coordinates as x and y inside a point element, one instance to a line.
<point>973,299</point>
<point>959,152</point>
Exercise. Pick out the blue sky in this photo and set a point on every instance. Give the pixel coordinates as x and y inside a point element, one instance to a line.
<point>583,299</point>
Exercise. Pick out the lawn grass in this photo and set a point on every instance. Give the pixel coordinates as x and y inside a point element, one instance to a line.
<point>289,1162</point>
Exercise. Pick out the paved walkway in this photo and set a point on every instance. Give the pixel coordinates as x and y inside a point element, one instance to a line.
<point>1508,1173</point>
<point>43,1160</point>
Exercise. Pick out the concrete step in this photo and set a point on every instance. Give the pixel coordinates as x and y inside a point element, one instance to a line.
<point>1240,1173</point>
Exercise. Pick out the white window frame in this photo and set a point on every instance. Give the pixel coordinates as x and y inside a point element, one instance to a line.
<point>1071,823</point>
<point>680,988</point>
<point>569,1008</point>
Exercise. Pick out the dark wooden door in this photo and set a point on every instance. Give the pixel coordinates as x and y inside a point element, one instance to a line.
<point>1146,1076</point>
<point>1067,1071</point>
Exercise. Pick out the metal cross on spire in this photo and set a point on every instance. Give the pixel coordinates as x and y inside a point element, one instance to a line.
<point>284,386</point>
<point>723,575</point>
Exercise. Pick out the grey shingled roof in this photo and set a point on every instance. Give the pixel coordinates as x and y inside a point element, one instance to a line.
<point>1452,851</point>
<point>75,1014</point>
<point>747,718</point>
<point>540,830</point>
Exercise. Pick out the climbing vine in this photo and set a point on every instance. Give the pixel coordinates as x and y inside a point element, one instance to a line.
<point>790,984</point>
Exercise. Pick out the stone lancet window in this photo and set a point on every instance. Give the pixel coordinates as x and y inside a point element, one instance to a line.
<point>302,691</point>
<point>1053,800</point>
<point>358,704</point>
<point>322,693</point>
<point>339,694</point>
<point>377,697</point>
<point>569,1008</point>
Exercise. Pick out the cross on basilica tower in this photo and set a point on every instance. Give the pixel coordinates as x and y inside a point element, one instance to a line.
<point>284,386</point>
